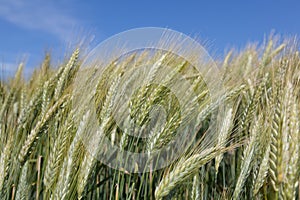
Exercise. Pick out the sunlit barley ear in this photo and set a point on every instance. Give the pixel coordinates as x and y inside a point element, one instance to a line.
<point>34,134</point>
<point>276,153</point>
<point>185,169</point>
<point>292,144</point>
<point>196,193</point>
<point>89,163</point>
<point>248,157</point>
<point>57,154</point>
<point>263,171</point>
<point>7,103</point>
<point>224,134</point>
<point>23,185</point>
<point>67,179</point>
<point>66,74</point>
<point>31,106</point>
<point>5,162</point>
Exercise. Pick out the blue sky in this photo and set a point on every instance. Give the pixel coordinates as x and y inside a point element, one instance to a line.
<point>29,28</point>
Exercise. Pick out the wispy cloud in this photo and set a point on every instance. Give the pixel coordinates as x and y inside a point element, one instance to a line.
<point>39,15</point>
<point>9,69</point>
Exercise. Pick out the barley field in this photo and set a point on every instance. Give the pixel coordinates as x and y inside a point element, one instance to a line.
<point>253,155</point>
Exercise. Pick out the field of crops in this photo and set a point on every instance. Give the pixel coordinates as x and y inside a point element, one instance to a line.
<point>253,154</point>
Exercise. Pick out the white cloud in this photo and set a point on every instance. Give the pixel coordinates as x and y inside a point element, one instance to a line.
<point>8,69</point>
<point>39,15</point>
